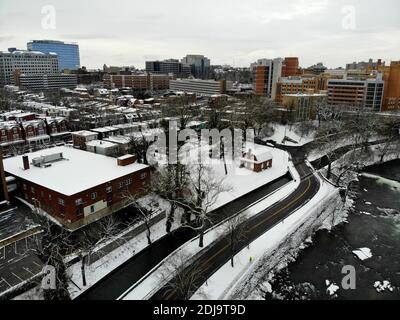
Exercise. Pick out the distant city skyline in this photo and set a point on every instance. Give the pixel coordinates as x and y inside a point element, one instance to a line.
<point>235,32</point>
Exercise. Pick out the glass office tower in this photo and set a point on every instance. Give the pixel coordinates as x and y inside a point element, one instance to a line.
<point>68,53</point>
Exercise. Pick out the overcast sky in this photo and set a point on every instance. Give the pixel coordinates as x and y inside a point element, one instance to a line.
<point>235,32</point>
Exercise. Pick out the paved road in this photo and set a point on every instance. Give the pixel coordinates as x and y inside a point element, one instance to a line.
<point>220,252</point>
<point>122,278</point>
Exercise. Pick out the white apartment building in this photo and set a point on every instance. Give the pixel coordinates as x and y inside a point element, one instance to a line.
<point>27,62</point>
<point>197,86</point>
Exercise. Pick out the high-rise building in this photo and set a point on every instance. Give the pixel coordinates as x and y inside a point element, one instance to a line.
<point>391,100</point>
<point>173,66</point>
<point>199,65</point>
<point>356,93</point>
<point>68,53</point>
<point>290,67</point>
<point>25,62</point>
<point>267,76</point>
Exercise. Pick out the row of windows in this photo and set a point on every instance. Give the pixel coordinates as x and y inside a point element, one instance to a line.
<point>93,195</point>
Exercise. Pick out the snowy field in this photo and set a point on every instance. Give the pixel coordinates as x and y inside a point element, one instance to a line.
<point>282,131</point>
<point>155,279</point>
<point>238,181</point>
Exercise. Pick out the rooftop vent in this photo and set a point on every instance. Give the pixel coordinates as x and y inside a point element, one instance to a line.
<point>45,161</point>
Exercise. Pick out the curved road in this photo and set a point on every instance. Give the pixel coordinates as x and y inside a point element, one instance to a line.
<point>122,278</point>
<point>220,252</point>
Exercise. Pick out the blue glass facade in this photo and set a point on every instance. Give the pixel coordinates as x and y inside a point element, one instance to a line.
<point>68,53</point>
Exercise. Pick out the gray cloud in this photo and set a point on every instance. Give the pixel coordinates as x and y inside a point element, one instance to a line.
<point>236,32</point>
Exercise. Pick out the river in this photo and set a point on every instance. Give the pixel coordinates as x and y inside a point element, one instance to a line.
<point>373,223</point>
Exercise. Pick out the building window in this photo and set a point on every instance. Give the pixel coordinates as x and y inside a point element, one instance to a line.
<point>24,186</point>
<point>94,195</point>
<point>109,189</point>
<point>78,201</point>
<point>92,209</point>
<point>42,194</point>
<point>33,190</point>
<point>143,176</point>
<point>79,212</point>
<point>49,196</point>
<point>61,202</point>
<point>128,182</point>
<point>120,185</point>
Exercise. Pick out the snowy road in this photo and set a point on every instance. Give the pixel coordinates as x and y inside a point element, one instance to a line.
<point>221,252</point>
<point>121,279</point>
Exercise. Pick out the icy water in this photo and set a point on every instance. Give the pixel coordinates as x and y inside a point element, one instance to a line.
<point>374,224</point>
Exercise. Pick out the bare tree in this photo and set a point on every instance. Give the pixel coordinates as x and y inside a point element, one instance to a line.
<point>182,285</point>
<point>92,237</point>
<point>236,233</point>
<point>204,191</point>
<point>181,108</point>
<point>144,214</point>
<point>392,139</point>
<point>50,247</point>
<point>170,182</point>
<point>363,125</point>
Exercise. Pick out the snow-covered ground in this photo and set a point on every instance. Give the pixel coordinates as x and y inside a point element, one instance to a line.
<point>223,282</point>
<point>238,181</point>
<point>100,268</point>
<point>282,131</point>
<point>242,180</point>
<point>152,281</point>
<point>320,152</point>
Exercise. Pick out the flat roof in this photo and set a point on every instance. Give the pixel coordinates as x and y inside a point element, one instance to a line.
<point>84,133</point>
<point>79,171</point>
<point>101,143</point>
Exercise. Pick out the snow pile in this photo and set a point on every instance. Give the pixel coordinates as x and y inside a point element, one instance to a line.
<point>332,287</point>
<point>382,286</point>
<point>363,253</point>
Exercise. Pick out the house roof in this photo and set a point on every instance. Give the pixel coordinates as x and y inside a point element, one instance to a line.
<point>79,171</point>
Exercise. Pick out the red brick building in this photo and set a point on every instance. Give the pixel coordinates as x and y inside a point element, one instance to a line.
<point>10,134</point>
<point>256,161</point>
<point>76,187</point>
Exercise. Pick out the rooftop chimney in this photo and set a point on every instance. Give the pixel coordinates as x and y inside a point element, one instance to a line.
<point>25,160</point>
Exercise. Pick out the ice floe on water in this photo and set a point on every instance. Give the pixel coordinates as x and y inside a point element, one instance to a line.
<point>332,287</point>
<point>388,211</point>
<point>366,213</point>
<point>363,253</point>
<point>368,203</point>
<point>395,185</point>
<point>382,286</point>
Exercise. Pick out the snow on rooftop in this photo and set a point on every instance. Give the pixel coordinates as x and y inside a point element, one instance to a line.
<point>127,156</point>
<point>84,133</point>
<point>100,144</point>
<point>118,139</point>
<point>79,171</point>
